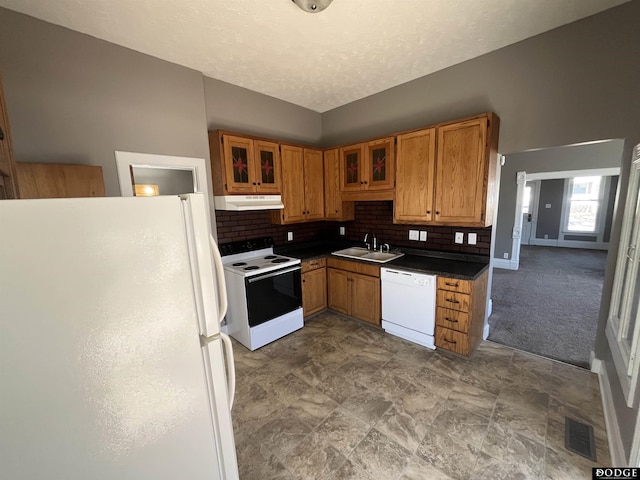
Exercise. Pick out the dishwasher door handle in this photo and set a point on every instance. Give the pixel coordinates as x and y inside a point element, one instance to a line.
<point>395,272</point>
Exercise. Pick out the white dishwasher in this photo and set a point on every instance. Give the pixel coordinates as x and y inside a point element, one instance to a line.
<point>409,305</point>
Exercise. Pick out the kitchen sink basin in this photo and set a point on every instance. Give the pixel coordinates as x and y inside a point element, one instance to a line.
<point>353,252</point>
<point>361,253</point>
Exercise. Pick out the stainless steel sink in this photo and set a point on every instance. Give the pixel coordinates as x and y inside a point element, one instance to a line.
<point>361,253</point>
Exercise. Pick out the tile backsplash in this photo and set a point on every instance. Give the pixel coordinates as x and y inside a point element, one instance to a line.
<point>371,217</point>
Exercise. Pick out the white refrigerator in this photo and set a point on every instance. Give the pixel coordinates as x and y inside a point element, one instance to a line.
<point>112,363</point>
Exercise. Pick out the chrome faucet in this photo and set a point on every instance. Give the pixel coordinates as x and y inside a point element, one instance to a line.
<point>374,241</point>
<point>383,246</point>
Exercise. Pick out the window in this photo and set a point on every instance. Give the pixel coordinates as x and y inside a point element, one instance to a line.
<point>623,324</point>
<point>583,204</point>
<point>526,201</point>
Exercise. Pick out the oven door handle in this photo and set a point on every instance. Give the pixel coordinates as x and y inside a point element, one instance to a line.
<point>273,274</point>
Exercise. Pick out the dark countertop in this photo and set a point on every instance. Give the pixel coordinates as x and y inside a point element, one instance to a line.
<point>454,265</point>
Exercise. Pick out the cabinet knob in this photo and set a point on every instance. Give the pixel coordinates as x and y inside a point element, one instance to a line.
<point>336,210</point>
<point>254,183</point>
<point>429,212</point>
<point>437,213</point>
<point>1,134</point>
<point>259,183</point>
<point>366,182</point>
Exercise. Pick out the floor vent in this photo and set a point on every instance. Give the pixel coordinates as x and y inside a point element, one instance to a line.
<point>578,437</point>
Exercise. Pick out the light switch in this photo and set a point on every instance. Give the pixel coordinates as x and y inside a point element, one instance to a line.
<point>547,205</point>
<point>289,236</point>
<point>423,235</point>
<point>342,231</point>
<point>414,235</point>
<point>472,238</point>
<point>459,237</point>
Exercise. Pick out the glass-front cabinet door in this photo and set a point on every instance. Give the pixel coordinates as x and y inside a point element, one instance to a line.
<point>239,164</point>
<point>267,166</point>
<point>380,164</point>
<point>351,168</point>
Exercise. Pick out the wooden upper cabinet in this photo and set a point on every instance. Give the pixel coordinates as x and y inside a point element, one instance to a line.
<point>313,184</point>
<point>302,185</point>
<point>459,188</point>
<point>267,166</point>
<point>367,170</point>
<point>292,186</point>
<point>334,207</point>
<point>351,168</point>
<point>460,172</point>
<point>42,180</point>
<point>244,165</point>
<point>8,183</point>
<point>380,164</point>
<point>415,176</point>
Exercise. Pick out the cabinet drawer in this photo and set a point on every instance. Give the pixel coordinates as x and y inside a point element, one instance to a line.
<point>309,265</point>
<point>355,267</point>
<point>451,340</point>
<point>455,301</point>
<point>454,284</point>
<point>452,319</point>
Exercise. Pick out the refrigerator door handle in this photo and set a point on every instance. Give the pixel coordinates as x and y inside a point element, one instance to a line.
<point>222,287</point>
<point>231,368</point>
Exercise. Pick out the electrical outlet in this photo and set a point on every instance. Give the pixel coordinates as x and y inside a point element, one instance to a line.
<point>472,238</point>
<point>342,230</point>
<point>546,236</point>
<point>289,236</point>
<point>414,235</point>
<point>547,205</point>
<point>505,255</point>
<point>423,235</point>
<point>459,237</point>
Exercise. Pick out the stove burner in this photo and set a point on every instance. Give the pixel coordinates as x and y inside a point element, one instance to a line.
<point>280,260</point>
<point>269,257</point>
<point>239,264</point>
<point>251,267</point>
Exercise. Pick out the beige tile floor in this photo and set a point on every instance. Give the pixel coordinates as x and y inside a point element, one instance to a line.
<point>342,400</point>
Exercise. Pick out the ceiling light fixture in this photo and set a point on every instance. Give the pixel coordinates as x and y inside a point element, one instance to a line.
<point>312,6</point>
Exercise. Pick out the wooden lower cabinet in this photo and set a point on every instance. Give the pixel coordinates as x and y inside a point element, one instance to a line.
<point>460,313</point>
<point>314,286</point>
<point>354,289</point>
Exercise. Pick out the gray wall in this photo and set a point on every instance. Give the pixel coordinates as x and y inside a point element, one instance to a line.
<point>551,192</point>
<point>610,206</point>
<point>237,109</point>
<point>72,98</point>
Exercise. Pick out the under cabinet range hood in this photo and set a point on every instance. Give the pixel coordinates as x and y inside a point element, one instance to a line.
<point>240,203</point>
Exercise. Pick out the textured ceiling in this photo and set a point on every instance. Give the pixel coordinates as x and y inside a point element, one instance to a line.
<point>353,49</point>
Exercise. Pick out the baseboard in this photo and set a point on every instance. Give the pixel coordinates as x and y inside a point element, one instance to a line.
<point>583,245</point>
<point>616,448</point>
<point>544,242</point>
<point>504,263</point>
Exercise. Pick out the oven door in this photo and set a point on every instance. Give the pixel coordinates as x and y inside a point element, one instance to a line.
<point>272,294</point>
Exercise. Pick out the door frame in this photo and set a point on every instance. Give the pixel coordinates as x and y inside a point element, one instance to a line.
<point>521,178</point>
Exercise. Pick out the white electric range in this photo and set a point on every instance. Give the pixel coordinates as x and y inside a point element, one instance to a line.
<point>264,291</point>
